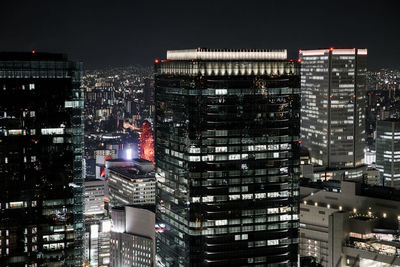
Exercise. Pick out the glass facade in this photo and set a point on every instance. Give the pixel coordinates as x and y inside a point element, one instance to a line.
<point>333,88</point>
<point>388,152</point>
<point>41,147</point>
<point>227,162</point>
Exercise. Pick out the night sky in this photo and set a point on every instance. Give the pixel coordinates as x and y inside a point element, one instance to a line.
<point>118,33</point>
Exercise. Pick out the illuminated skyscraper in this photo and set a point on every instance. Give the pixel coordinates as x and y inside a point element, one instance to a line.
<point>41,146</point>
<point>388,152</point>
<point>227,158</point>
<point>333,90</point>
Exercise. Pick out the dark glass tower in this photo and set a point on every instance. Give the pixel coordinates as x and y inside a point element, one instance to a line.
<point>227,158</point>
<point>41,145</point>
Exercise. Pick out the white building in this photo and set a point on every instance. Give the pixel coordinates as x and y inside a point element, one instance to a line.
<point>356,226</point>
<point>94,197</point>
<point>97,242</point>
<point>133,236</point>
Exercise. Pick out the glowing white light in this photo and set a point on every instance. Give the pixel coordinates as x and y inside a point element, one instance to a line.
<point>129,153</point>
<point>106,226</point>
<point>317,52</point>
<point>209,54</point>
<point>94,231</point>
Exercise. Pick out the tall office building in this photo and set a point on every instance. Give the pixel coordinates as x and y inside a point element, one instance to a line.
<point>388,152</point>
<point>227,158</point>
<point>333,92</point>
<point>133,236</point>
<point>41,146</point>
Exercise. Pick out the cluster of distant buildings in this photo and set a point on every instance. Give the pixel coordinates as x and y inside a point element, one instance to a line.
<point>121,197</point>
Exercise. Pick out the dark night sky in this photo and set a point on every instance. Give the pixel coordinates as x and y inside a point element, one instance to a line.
<point>118,33</point>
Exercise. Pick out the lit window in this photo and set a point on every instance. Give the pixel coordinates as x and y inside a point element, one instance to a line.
<point>247,196</point>
<point>221,222</point>
<point>234,197</point>
<point>51,131</point>
<point>194,158</point>
<point>273,242</point>
<point>221,149</point>
<point>234,156</point>
<point>260,195</point>
<point>221,91</point>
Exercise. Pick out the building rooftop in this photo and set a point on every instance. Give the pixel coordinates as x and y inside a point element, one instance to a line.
<point>132,172</point>
<point>335,51</point>
<point>149,207</point>
<point>32,56</point>
<point>365,190</point>
<point>227,54</point>
<point>92,179</point>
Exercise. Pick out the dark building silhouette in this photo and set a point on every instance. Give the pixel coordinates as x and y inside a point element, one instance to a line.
<point>227,158</point>
<point>148,91</point>
<point>41,146</point>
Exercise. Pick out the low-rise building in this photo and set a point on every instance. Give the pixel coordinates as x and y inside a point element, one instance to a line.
<point>357,225</point>
<point>134,184</point>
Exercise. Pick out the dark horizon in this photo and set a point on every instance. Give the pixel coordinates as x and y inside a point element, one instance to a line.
<point>103,35</point>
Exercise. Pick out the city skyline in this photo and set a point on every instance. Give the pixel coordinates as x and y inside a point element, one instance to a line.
<point>207,133</point>
<point>128,33</point>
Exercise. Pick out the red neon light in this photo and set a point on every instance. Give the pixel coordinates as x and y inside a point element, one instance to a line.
<point>33,51</point>
<point>299,60</point>
<point>299,141</point>
<point>331,49</point>
<point>156,61</point>
<point>146,143</point>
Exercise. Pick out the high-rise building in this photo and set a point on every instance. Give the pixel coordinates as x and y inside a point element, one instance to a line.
<point>133,236</point>
<point>41,148</point>
<point>227,158</point>
<point>388,152</point>
<point>333,97</point>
